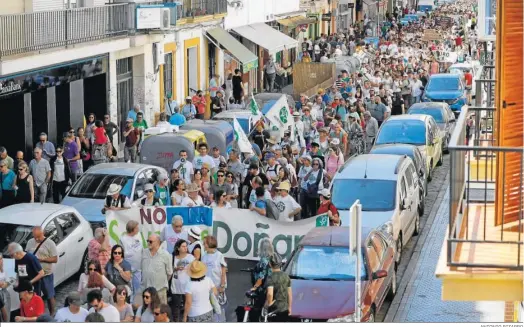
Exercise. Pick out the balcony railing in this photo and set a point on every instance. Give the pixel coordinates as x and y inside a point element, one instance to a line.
<point>36,31</point>
<point>196,8</point>
<point>483,233</point>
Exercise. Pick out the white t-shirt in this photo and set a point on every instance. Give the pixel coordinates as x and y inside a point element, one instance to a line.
<point>286,205</point>
<point>214,262</point>
<point>188,202</point>
<point>178,198</point>
<point>199,161</point>
<point>178,284</point>
<point>64,315</point>
<point>133,249</point>
<point>227,205</point>
<point>200,296</point>
<point>110,313</point>
<point>171,237</point>
<point>185,170</point>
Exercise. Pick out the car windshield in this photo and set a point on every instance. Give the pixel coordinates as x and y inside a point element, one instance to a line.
<point>323,263</point>
<point>435,113</point>
<point>94,186</point>
<point>457,70</point>
<point>402,131</point>
<point>374,195</point>
<point>443,84</point>
<point>14,233</point>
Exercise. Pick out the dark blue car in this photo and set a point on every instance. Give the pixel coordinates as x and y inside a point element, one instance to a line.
<point>446,88</point>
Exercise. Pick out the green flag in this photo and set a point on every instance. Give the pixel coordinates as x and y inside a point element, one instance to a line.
<point>254,107</point>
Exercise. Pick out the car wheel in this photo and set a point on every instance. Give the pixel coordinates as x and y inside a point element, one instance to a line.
<point>430,172</point>
<point>421,206</point>
<point>440,160</point>
<point>416,230</point>
<point>398,257</point>
<point>371,317</point>
<point>446,145</point>
<point>393,288</point>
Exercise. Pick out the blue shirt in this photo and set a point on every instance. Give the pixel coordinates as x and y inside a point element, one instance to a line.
<point>177,119</point>
<point>8,180</point>
<point>132,114</point>
<point>188,110</point>
<point>260,204</point>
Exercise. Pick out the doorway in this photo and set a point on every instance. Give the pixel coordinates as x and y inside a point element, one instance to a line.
<point>12,134</point>
<point>39,114</point>
<point>63,106</point>
<point>95,99</point>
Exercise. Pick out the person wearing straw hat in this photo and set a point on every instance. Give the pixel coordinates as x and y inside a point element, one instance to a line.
<point>198,307</point>
<point>193,199</point>
<point>115,200</point>
<point>286,204</point>
<point>195,244</point>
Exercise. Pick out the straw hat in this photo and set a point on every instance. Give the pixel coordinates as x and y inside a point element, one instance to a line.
<point>193,187</point>
<point>114,189</point>
<point>284,186</point>
<point>197,269</point>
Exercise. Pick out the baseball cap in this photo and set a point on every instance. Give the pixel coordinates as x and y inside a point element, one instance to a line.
<point>325,193</point>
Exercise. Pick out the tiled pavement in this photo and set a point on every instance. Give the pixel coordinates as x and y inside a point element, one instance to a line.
<point>419,295</point>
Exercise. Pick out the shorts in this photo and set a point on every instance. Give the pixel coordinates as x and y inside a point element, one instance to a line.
<point>48,288</point>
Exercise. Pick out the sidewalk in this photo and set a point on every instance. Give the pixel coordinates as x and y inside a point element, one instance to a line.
<point>419,294</point>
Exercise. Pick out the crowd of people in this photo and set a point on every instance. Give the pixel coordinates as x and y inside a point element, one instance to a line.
<point>181,276</point>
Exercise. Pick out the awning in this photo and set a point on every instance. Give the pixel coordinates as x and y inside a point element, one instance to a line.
<point>267,37</point>
<point>247,58</point>
<point>296,21</point>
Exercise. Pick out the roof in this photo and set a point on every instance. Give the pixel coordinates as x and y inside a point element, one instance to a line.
<point>372,166</point>
<point>417,117</point>
<point>30,214</point>
<point>233,114</point>
<point>117,168</point>
<point>446,75</point>
<point>428,105</point>
<point>331,236</point>
<point>397,149</point>
<point>267,37</point>
<point>239,51</point>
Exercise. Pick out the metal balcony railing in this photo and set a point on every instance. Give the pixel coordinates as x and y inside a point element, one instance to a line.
<point>196,8</point>
<point>36,31</point>
<point>478,170</point>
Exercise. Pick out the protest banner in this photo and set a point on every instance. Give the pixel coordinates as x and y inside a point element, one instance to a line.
<point>431,35</point>
<point>238,231</point>
<point>280,117</point>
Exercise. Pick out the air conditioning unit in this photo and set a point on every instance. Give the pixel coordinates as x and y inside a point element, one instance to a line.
<point>165,16</point>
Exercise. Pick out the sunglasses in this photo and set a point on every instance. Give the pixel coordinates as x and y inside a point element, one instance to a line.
<point>146,296</point>
<point>149,191</point>
<point>149,242</point>
<point>229,176</point>
<point>71,132</point>
<point>19,169</point>
<point>157,313</point>
<point>223,195</point>
<point>91,269</point>
<point>117,253</point>
<point>220,175</point>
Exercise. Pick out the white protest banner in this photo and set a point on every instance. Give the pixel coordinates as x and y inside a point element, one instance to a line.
<point>239,231</point>
<point>154,219</point>
<point>241,138</point>
<point>280,117</point>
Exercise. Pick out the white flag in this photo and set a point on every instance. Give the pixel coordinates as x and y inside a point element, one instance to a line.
<point>281,118</point>
<point>241,138</point>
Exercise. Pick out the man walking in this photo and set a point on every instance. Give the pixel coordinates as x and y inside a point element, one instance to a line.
<point>132,135</point>
<point>111,128</point>
<point>371,130</point>
<point>271,71</point>
<point>379,111</point>
<point>157,267</point>
<point>41,171</point>
<point>6,158</point>
<point>48,149</point>
<point>27,266</point>
<point>72,154</point>
<point>45,250</point>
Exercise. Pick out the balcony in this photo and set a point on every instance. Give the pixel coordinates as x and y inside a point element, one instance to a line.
<point>190,11</point>
<point>21,33</point>
<point>482,257</point>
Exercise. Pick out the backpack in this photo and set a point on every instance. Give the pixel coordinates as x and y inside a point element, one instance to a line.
<point>272,209</point>
<point>99,154</point>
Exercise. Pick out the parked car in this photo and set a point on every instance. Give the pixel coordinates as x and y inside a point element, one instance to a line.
<point>387,187</point>
<point>441,112</point>
<point>87,195</point>
<point>419,130</point>
<point>326,291</point>
<point>62,224</point>
<point>418,160</point>
<point>447,88</point>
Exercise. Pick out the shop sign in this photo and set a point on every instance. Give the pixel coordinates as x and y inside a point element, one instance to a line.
<point>326,17</point>
<point>9,87</point>
<point>351,5</point>
<point>250,65</point>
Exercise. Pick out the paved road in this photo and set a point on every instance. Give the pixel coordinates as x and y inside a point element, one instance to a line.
<point>239,281</point>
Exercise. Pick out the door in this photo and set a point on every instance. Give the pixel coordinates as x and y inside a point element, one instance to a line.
<point>437,147</point>
<point>404,213</point>
<point>71,243</point>
<point>52,232</point>
<point>430,147</point>
<point>376,285</point>
<point>385,264</point>
<point>413,196</point>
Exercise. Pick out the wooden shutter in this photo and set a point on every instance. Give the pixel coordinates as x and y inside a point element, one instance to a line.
<point>510,114</point>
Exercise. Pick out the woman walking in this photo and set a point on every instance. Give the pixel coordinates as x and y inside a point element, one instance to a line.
<point>217,269</point>
<point>181,260</point>
<point>150,302</point>
<point>120,301</point>
<point>25,192</point>
<point>198,307</point>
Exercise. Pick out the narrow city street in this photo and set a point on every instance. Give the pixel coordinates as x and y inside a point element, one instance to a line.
<point>239,282</point>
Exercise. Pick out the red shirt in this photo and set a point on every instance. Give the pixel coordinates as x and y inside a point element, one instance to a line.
<point>458,41</point>
<point>325,207</point>
<point>200,104</point>
<point>34,308</point>
<point>469,79</point>
<point>100,136</point>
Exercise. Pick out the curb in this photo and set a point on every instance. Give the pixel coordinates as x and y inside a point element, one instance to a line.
<point>400,300</point>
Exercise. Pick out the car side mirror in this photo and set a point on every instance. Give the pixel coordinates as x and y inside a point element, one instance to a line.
<point>421,173</point>
<point>379,274</point>
<point>403,204</point>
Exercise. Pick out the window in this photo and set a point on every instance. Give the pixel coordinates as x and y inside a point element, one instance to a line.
<point>403,188</point>
<point>380,246</point>
<point>143,178</point>
<point>67,222</point>
<point>374,195</point>
<point>373,257</point>
<point>94,186</point>
<point>52,233</point>
<point>402,131</point>
<point>168,73</point>
<point>409,176</point>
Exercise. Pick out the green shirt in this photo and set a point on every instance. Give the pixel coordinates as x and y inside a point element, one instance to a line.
<point>280,282</point>
<point>142,124</point>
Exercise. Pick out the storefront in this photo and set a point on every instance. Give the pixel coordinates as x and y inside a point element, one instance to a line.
<point>270,42</point>
<point>296,28</point>
<point>236,56</point>
<point>51,100</point>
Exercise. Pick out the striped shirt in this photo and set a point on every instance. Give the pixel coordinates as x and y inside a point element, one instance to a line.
<point>156,270</point>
